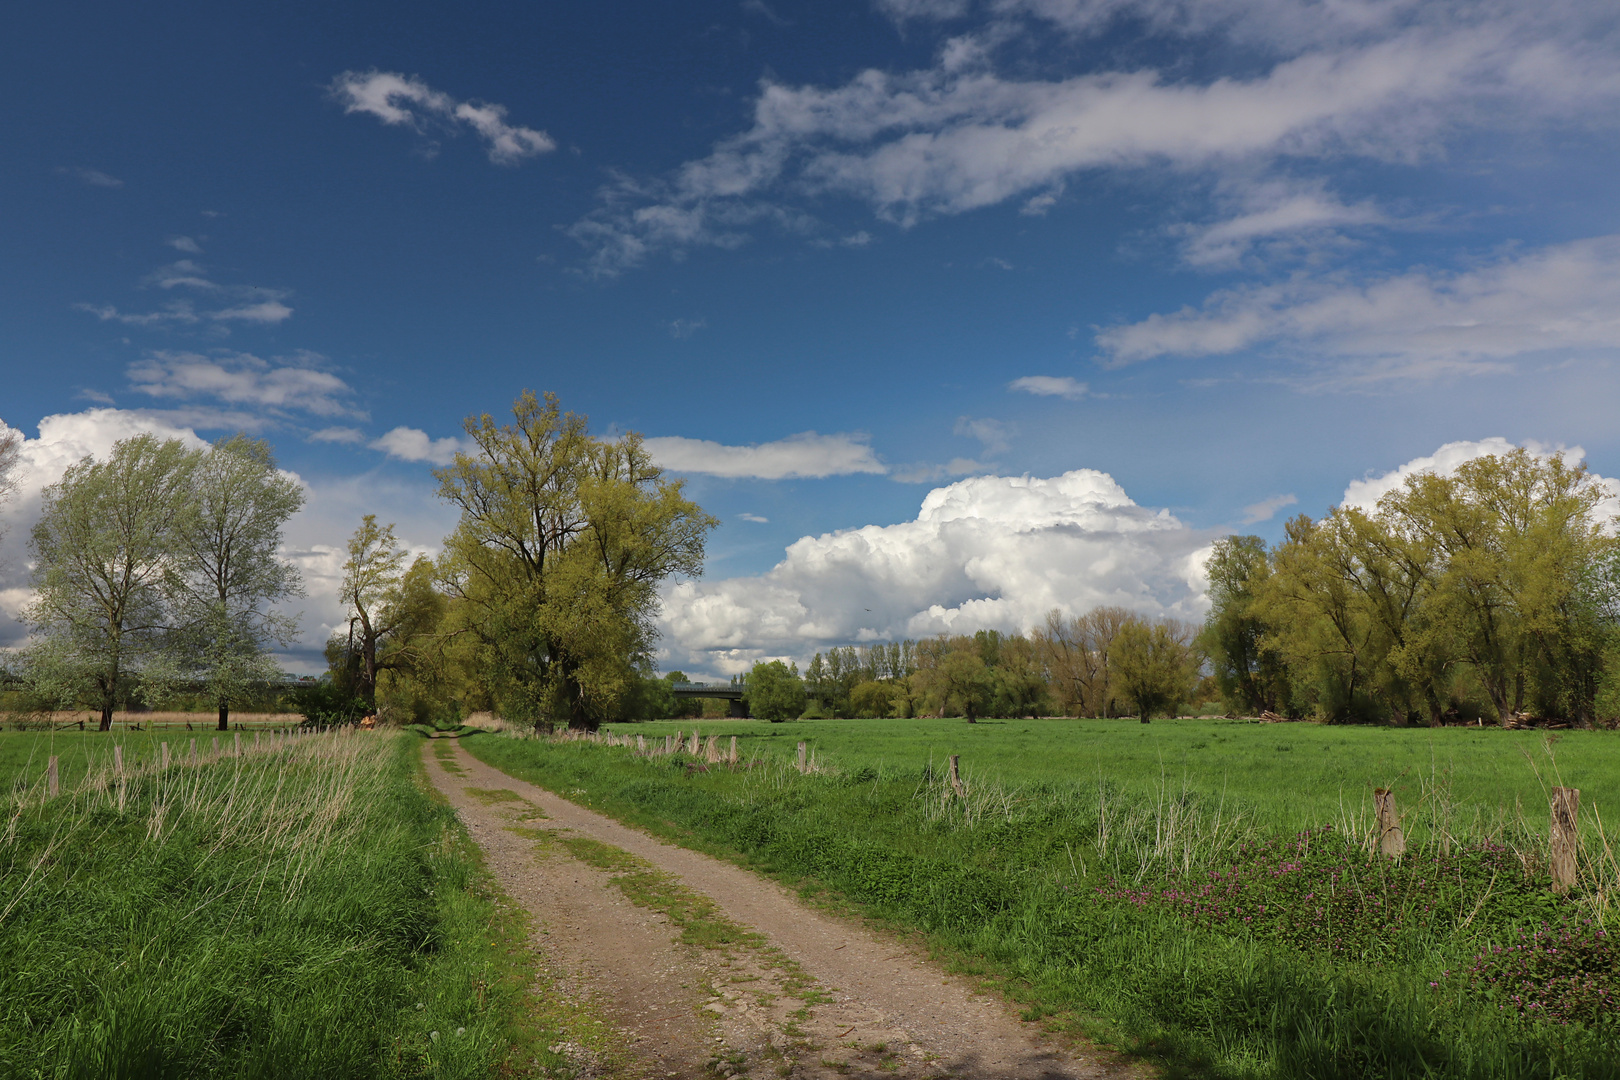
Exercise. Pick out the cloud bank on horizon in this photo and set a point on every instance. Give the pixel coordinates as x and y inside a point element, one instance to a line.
<point>985,552</point>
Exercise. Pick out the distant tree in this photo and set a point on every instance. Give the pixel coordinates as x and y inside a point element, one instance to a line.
<point>1019,684</point>
<point>229,571</point>
<point>775,691</point>
<point>952,679</point>
<point>1154,664</point>
<point>372,577</point>
<point>104,550</point>
<point>872,699</point>
<point>1251,676</point>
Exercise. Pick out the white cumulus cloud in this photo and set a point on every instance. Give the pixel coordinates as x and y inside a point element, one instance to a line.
<point>991,551</point>
<point>403,100</point>
<point>412,444</point>
<point>804,455</point>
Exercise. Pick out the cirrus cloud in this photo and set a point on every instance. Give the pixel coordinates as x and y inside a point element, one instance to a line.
<point>806,455</point>
<point>403,100</point>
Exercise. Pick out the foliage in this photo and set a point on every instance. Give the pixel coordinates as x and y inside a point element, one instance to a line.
<point>104,550</point>
<point>1486,590</point>
<point>1568,973</point>
<point>562,543</point>
<point>228,571</point>
<point>1154,665</point>
<point>326,704</point>
<point>775,692</point>
<point>1250,675</point>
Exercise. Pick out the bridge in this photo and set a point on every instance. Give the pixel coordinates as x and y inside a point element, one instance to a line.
<point>728,691</point>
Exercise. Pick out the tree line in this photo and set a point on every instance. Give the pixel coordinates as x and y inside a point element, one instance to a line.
<point>1492,592</point>
<point>159,569</point>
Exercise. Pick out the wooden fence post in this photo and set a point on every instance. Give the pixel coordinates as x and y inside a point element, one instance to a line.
<point>732,757</point>
<point>215,750</point>
<point>118,761</point>
<point>801,757</point>
<point>1391,841</point>
<point>236,744</point>
<point>165,755</point>
<point>52,781</point>
<point>956,774</point>
<point>641,744</point>
<point>1566,808</point>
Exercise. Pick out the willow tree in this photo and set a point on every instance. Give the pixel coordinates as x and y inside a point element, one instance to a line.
<point>105,560</point>
<point>556,561</point>
<point>229,574</point>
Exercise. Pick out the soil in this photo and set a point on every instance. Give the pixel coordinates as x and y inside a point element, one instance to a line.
<point>817,995</point>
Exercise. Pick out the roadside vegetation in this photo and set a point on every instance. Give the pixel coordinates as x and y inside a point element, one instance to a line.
<point>1144,905</point>
<point>304,910</point>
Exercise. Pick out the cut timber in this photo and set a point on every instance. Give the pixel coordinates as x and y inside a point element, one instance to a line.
<point>1566,808</point>
<point>1391,841</point>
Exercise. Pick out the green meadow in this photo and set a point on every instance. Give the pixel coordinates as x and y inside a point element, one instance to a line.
<point>1203,893</point>
<point>1284,776</point>
<point>307,909</point>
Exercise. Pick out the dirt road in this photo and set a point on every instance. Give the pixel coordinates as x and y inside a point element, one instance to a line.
<point>805,994</point>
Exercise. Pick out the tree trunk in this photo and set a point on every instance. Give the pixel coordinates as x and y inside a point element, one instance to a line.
<point>224,715</point>
<point>106,717</point>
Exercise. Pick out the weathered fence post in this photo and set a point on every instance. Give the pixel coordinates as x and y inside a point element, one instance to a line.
<point>802,763</point>
<point>1566,808</point>
<point>732,757</point>
<point>118,761</point>
<point>236,744</point>
<point>667,743</point>
<point>52,782</point>
<point>697,743</point>
<point>215,751</point>
<point>641,744</point>
<point>1391,840</point>
<point>956,774</point>
<point>165,755</point>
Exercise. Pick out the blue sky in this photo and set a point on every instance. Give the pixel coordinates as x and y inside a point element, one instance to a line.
<point>1233,255</point>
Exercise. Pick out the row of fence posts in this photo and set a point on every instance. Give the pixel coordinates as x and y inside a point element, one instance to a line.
<point>1563,832</point>
<point>53,773</point>
<point>1565,811</point>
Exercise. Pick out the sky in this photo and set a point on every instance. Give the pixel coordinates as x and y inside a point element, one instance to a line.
<point>951,311</point>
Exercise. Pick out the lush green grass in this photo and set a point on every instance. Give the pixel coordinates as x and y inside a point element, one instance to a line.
<point>1287,776</point>
<point>306,912</point>
<point>24,754</point>
<point>1138,903</point>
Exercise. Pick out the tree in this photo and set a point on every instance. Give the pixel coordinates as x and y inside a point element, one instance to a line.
<point>228,571</point>
<point>1514,536</point>
<point>953,679</point>
<point>372,577</point>
<point>10,457</point>
<point>1252,678</point>
<point>104,550</point>
<point>556,561</point>
<point>1155,664</point>
<point>775,692</point>
<point>872,698</point>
